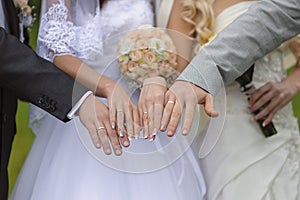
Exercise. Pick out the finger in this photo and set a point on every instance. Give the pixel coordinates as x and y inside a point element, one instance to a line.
<point>175,118</point>
<point>120,122</point>
<point>273,112</point>
<point>169,104</point>
<point>188,118</point>
<point>124,140</point>
<point>259,92</point>
<point>267,109</point>
<point>94,136</point>
<point>112,116</point>
<point>264,99</point>
<point>151,121</point>
<point>158,112</point>
<point>129,121</point>
<point>114,139</point>
<point>209,106</point>
<point>136,123</point>
<point>101,132</point>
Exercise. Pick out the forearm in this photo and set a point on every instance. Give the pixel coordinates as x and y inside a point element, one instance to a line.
<point>260,30</point>
<point>97,83</point>
<point>36,80</point>
<point>179,32</point>
<point>294,78</point>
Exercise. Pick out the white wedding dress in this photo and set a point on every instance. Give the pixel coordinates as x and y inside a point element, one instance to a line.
<point>244,164</point>
<point>63,164</point>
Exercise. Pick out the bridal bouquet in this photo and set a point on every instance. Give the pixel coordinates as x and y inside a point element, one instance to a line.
<point>147,52</point>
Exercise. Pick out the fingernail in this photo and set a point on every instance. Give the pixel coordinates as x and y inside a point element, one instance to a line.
<point>98,145</point>
<point>162,128</point>
<point>113,125</point>
<point>170,133</point>
<point>146,137</point>
<point>263,124</point>
<point>118,152</point>
<point>129,138</point>
<point>121,133</point>
<point>184,132</point>
<point>108,151</point>
<point>154,133</point>
<point>126,143</point>
<point>152,139</point>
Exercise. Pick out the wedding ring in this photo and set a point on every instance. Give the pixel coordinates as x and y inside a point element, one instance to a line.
<point>100,128</point>
<point>172,102</point>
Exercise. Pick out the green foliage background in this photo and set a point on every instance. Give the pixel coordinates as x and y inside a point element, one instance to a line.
<point>25,137</point>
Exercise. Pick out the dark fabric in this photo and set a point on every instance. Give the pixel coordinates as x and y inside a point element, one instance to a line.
<point>25,75</point>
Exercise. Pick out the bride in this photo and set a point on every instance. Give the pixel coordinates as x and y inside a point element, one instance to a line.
<point>243,163</point>
<point>63,162</point>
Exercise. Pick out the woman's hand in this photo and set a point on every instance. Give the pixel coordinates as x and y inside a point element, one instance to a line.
<point>94,115</point>
<point>275,96</point>
<point>151,105</point>
<point>123,113</point>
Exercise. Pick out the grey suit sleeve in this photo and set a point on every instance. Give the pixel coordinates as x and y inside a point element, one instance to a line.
<point>261,29</point>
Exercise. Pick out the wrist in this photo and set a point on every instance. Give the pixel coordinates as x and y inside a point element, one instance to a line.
<point>157,80</point>
<point>105,87</point>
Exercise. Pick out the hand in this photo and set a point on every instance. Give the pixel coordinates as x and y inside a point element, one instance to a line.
<point>274,96</point>
<point>186,95</point>
<point>123,112</point>
<point>94,115</point>
<point>151,105</point>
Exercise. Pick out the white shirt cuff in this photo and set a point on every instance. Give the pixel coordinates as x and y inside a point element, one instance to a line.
<point>78,104</point>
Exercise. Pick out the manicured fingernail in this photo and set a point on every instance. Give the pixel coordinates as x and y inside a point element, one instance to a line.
<point>121,133</point>
<point>152,139</point>
<point>162,128</point>
<point>154,133</point>
<point>263,124</point>
<point>98,145</point>
<point>184,132</point>
<point>146,137</point>
<point>113,125</point>
<point>170,133</point>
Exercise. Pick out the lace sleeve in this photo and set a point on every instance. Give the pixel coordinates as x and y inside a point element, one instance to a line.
<point>63,25</point>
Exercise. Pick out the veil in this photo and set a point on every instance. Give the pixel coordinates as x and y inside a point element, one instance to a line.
<point>62,24</point>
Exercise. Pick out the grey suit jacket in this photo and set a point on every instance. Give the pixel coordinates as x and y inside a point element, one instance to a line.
<point>266,25</point>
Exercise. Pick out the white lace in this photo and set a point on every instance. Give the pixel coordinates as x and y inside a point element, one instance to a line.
<point>87,38</point>
<point>60,36</point>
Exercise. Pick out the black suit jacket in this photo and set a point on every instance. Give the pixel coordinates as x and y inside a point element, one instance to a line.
<point>25,75</point>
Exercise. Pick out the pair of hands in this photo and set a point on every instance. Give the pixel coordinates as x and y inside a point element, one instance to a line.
<point>161,110</point>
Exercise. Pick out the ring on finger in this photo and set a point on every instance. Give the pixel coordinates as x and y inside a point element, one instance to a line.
<point>100,128</point>
<point>171,102</point>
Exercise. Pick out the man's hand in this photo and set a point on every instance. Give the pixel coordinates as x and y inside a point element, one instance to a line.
<point>94,115</point>
<point>186,95</point>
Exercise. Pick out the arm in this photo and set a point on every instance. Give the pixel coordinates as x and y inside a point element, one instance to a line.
<point>152,99</point>
<point>261,29</point>
<point>38,81</point>
<point>24,72</point>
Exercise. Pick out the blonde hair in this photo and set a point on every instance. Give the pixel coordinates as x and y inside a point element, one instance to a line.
<point>200,14</point>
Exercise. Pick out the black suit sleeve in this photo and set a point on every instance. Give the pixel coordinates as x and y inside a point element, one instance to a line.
<point>36,80</point>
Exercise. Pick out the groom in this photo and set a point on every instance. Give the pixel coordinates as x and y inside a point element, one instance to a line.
<point>25,75</point>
